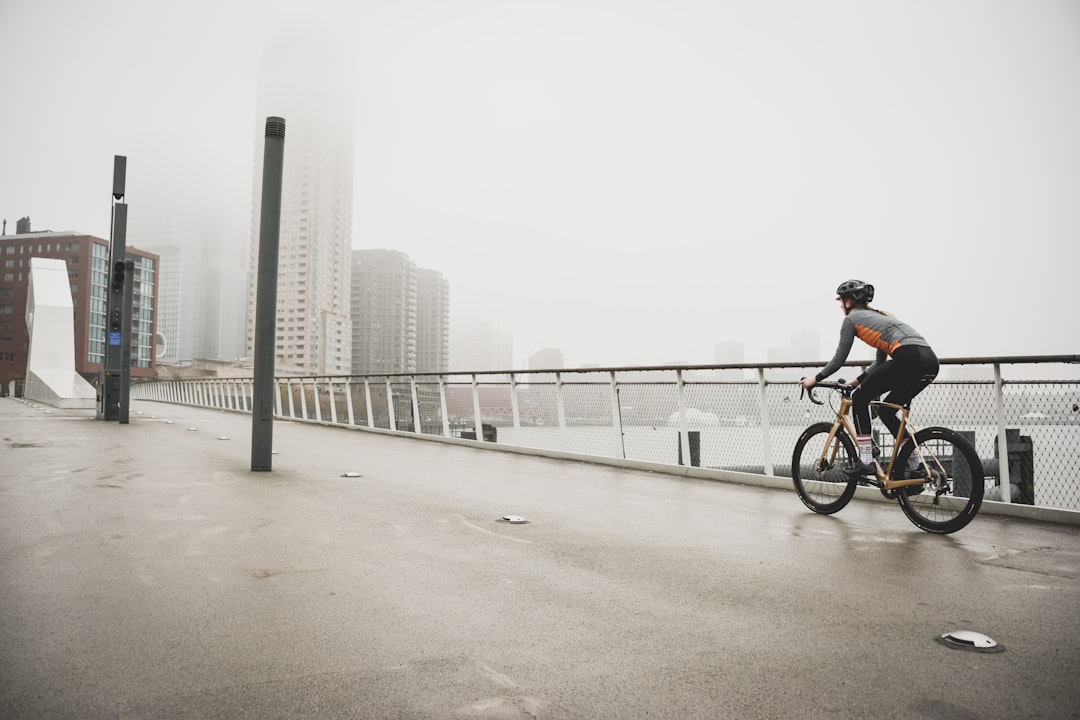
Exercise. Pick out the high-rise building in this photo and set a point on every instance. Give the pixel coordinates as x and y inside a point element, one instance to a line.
<point>308,79</point>
<point>87,259</point>
<point>479,345</point>
<point>201,305</point>
<point>384,312</point>
<point>546,359</point>
<point>728,352</point>
<point>432,321</point>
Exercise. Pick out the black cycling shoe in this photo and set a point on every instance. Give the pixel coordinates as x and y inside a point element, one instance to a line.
<point>858,467</point>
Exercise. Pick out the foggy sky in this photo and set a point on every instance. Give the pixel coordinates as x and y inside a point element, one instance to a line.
<point>630,181</point>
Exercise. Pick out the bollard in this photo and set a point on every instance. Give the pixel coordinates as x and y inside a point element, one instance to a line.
<point>1021,465</point>
<point>694,438</point>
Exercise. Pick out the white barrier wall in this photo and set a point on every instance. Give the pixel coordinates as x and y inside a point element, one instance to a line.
<point>50,321</point>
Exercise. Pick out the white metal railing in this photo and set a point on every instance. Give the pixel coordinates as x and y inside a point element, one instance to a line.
<point>735,417</point>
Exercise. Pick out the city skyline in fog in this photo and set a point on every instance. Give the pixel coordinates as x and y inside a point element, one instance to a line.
<point>632,184</point>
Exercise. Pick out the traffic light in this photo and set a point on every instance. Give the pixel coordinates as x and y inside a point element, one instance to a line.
<point>118,277</point>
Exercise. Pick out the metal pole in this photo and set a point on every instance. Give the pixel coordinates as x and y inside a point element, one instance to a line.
<point>124,395</point>
<point>262,402</point>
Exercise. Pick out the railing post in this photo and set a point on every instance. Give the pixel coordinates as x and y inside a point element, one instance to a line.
<point>416,408</point>
<point>616,414</point>
<point>277,395</point>
<point>442,406</point>
<point>560,407</point>
<point>1002,440</point>
<point>766,431</point>
<point>348,400</point>
<point>303,399</point>
<point>292,405</point>
<point>515,411</point>
<point>478,423</point>
<point>333,405</point>
<point>316,398</point>
<point>367,396</point>
<point>684,434</point>
<point>390,404</point>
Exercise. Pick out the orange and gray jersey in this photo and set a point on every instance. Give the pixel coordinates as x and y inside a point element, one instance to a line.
<point>879,330</point>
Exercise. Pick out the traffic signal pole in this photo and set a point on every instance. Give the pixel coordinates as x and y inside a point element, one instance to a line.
<point>112,376</point>
<point>126,342</point>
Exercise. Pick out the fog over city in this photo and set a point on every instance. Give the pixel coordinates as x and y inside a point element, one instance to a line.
<point>632,182</point>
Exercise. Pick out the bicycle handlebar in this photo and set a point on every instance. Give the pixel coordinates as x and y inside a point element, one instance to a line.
<point>839,386</point>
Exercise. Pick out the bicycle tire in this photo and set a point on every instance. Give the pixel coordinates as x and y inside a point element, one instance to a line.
<point>952,496</point>
<point>828,489</point>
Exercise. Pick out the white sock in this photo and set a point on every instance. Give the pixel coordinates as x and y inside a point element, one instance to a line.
<point>866,449</point>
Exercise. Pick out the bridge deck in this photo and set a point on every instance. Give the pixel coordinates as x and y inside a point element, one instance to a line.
<point>146,572</point>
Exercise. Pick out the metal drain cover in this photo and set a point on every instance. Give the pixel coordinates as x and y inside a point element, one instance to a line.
<point>970,640</point>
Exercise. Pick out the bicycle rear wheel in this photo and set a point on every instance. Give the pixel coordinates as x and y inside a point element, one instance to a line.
<point>953,491</point>
<point>817,468</point>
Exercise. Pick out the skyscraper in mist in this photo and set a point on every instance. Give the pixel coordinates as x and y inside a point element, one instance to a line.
<point>182,217</point>
<point>479,345</point>
<point>400,315</point>
<point>432,321</point>
<point>308,79</point>
<point>383,312</point>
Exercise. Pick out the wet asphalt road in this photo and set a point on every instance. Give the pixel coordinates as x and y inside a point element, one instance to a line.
<point>145,572</point>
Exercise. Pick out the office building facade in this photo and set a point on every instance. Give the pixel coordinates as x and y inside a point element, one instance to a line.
<point>87,259</point>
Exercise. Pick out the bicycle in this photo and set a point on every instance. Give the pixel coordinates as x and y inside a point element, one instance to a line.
<point>941,496</point>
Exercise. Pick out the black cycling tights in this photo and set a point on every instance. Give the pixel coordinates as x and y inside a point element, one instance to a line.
<point>911,369</point>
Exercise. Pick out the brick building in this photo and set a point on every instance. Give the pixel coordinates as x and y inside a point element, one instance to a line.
<point>87,259</point>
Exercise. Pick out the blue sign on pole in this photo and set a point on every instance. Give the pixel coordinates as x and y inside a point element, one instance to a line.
<point>114,339</point>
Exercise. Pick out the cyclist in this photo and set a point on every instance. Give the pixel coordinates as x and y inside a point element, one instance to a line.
<point>913,366</point>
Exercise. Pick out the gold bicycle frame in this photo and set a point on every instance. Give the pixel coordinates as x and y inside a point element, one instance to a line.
<point>844,420</point>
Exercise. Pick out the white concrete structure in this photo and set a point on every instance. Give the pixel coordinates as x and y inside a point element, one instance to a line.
<point>50,321</point>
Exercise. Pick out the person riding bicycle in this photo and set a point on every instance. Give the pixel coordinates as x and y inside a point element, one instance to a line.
<point>913,366</point>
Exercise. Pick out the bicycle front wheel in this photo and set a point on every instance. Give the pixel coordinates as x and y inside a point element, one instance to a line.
<point>818,468</point>
<point>953,490</point>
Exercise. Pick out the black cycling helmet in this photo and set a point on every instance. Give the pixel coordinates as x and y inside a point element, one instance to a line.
<point>857,290</point>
